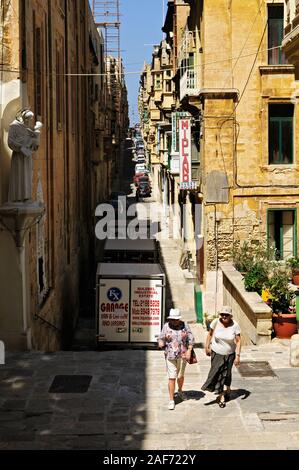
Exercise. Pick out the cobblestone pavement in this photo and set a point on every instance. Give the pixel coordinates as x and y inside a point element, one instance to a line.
<point>125,406</point>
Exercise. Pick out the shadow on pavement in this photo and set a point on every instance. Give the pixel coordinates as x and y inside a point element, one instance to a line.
<point>234,394</point>
<point>190,395</point>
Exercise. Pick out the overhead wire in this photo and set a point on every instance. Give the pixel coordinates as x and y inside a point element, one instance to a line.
<point>137,72</point>
<point>243,47</point>
<point>255,58</point>
<point>254,62</point>
<point>237,125</point>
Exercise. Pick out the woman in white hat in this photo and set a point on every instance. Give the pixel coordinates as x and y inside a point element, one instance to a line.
<point>177,341</point>
<point>223,344</point>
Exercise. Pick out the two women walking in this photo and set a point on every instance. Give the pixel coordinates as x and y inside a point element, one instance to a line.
<point>223,345</point>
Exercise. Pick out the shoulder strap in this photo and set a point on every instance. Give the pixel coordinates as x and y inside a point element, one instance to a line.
<point>214,330</point>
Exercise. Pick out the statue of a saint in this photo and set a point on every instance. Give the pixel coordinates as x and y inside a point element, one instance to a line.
<point>23,140</point>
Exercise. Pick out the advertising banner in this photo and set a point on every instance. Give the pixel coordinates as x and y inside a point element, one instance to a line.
<point>146,310</point>
<point>185,153</point>
<point>114,310</point>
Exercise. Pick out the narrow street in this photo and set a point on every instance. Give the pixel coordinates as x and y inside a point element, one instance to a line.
<point>149,186</point>
<point>125,406</point>
<point>119,398</point>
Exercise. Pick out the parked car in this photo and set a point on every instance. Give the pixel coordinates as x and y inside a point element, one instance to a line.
<point>139,168</point>
<point>141,177</point>
<point>144,178</point>
<point>137,176</point>
<point>143,189</point>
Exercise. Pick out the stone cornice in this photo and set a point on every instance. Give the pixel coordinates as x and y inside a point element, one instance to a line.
<point>277,69</point>
<point>219,93</point>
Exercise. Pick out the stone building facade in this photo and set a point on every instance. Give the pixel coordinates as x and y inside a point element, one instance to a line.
<point>52,60</point>
<point>232,78</point>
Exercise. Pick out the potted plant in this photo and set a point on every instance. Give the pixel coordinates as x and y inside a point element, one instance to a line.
<point>293,263</point>
<point>242,257</point>
<point>256,278</point>
<point>281,300</point>
<point>249,255</point>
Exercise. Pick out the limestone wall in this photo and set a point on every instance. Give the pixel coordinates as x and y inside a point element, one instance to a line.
<point>42,43</point>
<point>252,314</point>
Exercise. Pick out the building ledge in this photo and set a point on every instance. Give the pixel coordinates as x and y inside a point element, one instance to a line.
<point>190,92</point>
<point>279,166</point>
<point>219,93</point>
<point>165,125</point>
<point>18,217</point>
<point>277,69</point>
<point>192,98</point>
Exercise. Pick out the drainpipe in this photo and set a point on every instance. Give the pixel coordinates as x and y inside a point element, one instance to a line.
<point>26,330</point>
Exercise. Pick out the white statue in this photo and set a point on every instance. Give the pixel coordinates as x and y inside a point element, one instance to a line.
<point>23,140</point>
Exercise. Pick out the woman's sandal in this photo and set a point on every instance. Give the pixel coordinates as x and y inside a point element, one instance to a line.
<point>222,403</point>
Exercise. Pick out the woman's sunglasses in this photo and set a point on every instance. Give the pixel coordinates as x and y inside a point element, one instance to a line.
<point>224,315</point>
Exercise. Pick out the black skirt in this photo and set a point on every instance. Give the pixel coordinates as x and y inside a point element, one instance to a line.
<point>220,373</point>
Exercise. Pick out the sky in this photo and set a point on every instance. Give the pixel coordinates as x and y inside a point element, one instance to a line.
<point>141,24</point>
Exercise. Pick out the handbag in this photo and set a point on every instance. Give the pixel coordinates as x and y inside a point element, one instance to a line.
<point>193,358</point>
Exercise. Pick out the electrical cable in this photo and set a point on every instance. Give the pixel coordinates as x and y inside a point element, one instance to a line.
<point>248,36</point>
<point>117,74</point>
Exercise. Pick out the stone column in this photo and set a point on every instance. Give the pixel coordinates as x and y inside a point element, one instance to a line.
<point>294,351</point>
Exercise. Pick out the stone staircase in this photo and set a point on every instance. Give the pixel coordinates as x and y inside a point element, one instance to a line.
<point>213,293</point>
<point>180,292</point>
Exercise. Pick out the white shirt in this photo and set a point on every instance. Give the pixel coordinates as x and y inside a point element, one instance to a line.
<point>223,341</point>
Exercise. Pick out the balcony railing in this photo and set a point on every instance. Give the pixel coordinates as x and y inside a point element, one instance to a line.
<point>188,84</point>
<point>295,21</point>
<point>291,35</point>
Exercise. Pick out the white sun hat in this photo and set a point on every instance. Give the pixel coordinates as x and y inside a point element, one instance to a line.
<point>226,309</point>
<point>174,314</point>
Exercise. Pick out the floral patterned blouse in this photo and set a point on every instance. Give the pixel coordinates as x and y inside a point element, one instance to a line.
<point>176,341</point>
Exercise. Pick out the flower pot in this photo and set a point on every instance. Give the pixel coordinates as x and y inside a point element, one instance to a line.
<point>295,275</point>
<point>285,325</point>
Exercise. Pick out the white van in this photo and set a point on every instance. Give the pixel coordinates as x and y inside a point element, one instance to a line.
<point>140,167</point>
